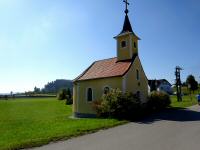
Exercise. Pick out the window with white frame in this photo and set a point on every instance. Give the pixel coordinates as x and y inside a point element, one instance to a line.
<point>106,90</point>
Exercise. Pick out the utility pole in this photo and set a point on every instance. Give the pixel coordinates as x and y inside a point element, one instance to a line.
<point>178,83</point>
<point>198,86</point>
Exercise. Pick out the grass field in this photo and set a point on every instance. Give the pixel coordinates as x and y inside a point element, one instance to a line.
<point>33,122</point>
<point>36,121</point>
<point>187,101</point>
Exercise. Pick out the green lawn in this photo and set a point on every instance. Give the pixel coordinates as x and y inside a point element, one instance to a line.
<point>33,122</point>
<point>187,101</point>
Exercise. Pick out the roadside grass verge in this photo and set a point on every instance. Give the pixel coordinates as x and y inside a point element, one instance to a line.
<point>187,102</point>
<point>31,122</point>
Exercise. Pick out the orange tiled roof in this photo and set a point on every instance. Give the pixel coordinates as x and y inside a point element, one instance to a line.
<point>104,69</point>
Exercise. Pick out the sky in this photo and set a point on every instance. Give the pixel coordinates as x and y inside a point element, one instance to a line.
<point>44,40</point>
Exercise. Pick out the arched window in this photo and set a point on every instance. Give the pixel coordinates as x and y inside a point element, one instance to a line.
<point>123,44</point>
<point>137,74</point>
<point>106,90</point>
<point>89,95</point>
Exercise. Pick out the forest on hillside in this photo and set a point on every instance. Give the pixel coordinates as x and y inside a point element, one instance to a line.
<point>57,85</point>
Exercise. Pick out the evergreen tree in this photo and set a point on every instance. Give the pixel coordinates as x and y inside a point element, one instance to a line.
<point>192,83</point>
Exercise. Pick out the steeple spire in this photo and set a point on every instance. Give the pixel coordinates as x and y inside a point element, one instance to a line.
<point>127,25</point>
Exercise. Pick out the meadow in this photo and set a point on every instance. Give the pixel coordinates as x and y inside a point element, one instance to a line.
<point>189,98</point>
<point>36,121</point>
<point>186,102</point>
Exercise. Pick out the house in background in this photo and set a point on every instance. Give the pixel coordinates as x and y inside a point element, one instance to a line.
<point>160,85</point>
<point>124,72</point>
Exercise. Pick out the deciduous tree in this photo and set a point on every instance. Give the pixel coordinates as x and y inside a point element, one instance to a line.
<point>192,83</point>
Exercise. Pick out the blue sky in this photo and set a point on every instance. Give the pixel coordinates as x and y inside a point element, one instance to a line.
<point>44,40</point>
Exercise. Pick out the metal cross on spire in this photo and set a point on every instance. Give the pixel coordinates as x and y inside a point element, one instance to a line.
<point>127,3</point>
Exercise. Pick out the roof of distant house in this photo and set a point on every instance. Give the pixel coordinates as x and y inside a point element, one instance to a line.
<point>158,82</point>
<point>106,68</point>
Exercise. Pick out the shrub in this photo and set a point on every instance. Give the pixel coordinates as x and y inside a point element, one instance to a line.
<point>69,100</point>
<point>6,97</point>
<point>158,101</point>
<point>62,95</point>
<point>65,95</point>
<point>118,105</point>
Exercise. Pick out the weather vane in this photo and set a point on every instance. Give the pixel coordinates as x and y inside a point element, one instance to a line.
<point>127,3</point>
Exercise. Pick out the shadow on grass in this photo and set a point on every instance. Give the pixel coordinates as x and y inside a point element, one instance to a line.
<point>172,114</point>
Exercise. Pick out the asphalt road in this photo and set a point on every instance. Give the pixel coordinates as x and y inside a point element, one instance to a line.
<point>169,130</point>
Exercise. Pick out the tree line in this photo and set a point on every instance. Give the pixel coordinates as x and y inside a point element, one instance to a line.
<point>52,88</point>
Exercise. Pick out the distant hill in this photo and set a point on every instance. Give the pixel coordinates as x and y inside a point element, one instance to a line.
<point>56,86</point>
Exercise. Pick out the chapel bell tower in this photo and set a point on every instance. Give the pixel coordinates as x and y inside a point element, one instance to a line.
<point>127,40</point>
